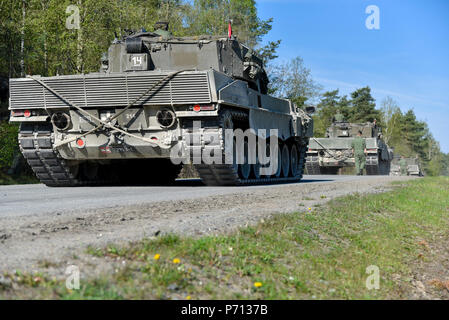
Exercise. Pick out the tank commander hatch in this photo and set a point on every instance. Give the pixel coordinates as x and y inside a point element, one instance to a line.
<point>161,28</point>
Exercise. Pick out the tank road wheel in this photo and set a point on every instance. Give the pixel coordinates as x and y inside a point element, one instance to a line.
<point>285,158</point>
<point>228,124</point>
<point>267,161</point>
<point>294,160</point>
<point>288,162</point>
<point>279,163</point>
<point>302,161</point>
<point>256,168</point>
<point>245,167</point>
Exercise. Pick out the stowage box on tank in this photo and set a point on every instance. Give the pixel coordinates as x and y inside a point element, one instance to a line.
<point>125,122</point>
<point>327,155</point>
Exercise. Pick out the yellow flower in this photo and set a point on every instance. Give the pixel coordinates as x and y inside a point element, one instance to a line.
<point>157,256</point>
<point>309,209</point>
<point>176,261</point>
<point>188,297</point>
<point>257,284</point>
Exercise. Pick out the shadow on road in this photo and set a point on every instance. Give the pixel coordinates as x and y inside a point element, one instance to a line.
<point>315,180</point>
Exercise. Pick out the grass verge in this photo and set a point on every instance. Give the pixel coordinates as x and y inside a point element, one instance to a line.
<point>6,179</point>
<point>321,253</point>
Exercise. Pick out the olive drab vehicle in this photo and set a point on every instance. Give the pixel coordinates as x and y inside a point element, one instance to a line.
<point>123,123</point>
<point>413,167</point>
<point>327,155</point>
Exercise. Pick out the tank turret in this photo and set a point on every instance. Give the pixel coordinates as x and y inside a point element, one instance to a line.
<point>160,50</point>
<point>346,129</point>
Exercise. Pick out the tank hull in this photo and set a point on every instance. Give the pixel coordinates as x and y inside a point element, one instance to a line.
<point>68,121</point>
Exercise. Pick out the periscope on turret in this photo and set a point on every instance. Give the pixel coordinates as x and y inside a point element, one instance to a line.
<point>123,123</point>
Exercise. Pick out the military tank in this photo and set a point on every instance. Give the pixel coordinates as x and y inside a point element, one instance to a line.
<point>327,155</point>
<point>413,167</point>
<point>136,120</point>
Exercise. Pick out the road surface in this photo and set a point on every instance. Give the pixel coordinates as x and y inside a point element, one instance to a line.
<point>23,200</point>
<point>38,223</point>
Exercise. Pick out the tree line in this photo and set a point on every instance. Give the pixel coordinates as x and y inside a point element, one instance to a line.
<point>42,36</point>
<point>35,39</point>
<point>402,131</point>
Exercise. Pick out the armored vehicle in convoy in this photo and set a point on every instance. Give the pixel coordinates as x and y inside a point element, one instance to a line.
<point>327,155</point>
<point>136,120</point>
<point>413,167</point>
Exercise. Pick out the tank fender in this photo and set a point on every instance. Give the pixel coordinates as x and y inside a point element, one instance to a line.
<point>264,119</point>
<point>236,92</point>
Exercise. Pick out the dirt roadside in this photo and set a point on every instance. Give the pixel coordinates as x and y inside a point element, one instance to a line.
<point>60,239</point>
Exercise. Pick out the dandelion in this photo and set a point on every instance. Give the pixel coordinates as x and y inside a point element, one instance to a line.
<point>257,284</point>
<point>310,209</point>
<point>157,256</point>
<point>188,297</point>
<point>176,261</point>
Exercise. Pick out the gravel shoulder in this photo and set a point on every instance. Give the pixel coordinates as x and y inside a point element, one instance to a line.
<point>59,238</point>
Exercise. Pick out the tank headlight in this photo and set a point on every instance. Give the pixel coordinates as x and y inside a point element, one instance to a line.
<point>166,118</point>
<point>60,120</point>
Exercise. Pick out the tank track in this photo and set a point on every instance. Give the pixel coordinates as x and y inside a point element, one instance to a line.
<point>226,174</point>
<point>313,165</point>
<point>36,145</point>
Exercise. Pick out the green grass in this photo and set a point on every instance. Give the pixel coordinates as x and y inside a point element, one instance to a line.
<point>322,253</point>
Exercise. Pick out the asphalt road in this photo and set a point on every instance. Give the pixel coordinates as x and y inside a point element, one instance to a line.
<point>20,200</point>
<point>40,224</point>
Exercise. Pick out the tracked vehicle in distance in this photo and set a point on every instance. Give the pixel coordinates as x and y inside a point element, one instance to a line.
<point>121,124</point>
<point>413,167</point>
<point>327,155</point>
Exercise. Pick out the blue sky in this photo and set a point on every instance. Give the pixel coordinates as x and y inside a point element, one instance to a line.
<point>407,58</point>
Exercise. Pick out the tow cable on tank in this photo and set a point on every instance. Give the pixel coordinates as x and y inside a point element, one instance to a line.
<point>107,122</point>
<point>338,158</point>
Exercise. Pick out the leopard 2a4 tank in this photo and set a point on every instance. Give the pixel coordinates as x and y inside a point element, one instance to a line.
<point>123,123</point>
<point>327,155</point>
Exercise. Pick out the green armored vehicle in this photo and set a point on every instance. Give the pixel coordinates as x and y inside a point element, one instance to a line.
<point>413,167</point>
<point>327,155</point>
<point>158,102</point>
